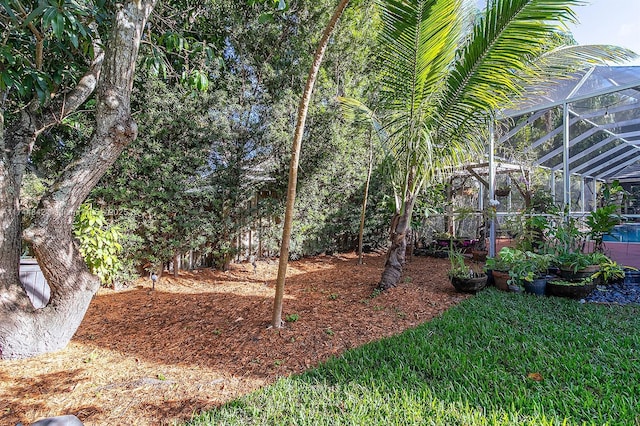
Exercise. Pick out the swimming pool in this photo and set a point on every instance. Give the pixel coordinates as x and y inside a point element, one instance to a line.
<point>625,233</point>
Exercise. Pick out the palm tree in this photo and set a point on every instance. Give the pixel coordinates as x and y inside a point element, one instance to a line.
<point>447,70</point>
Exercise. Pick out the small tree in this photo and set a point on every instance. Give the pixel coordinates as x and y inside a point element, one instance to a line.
<point>99,244</point>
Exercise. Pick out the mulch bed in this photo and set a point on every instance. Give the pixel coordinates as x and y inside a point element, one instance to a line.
<point>148,357</point>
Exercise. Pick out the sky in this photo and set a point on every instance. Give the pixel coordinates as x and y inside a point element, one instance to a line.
<point>614,22</point>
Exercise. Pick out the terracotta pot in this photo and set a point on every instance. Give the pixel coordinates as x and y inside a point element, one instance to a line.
<point>500,279</point>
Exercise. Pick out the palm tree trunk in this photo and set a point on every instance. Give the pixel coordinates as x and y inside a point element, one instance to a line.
<point>400,227</point>
<point>303,107</point>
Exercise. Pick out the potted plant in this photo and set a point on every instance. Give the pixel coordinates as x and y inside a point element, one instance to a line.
<point>578,265</point>
<point>502,191</point>
<point>575,289</point>
<point>462,277</point>
<point>531,272</point>
<point>500,265</point>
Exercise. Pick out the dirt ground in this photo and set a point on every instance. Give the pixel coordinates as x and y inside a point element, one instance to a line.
<point>144,357</point>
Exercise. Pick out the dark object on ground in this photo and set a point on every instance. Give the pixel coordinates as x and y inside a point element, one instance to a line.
<point>537,286</point>
<point>69,420</point>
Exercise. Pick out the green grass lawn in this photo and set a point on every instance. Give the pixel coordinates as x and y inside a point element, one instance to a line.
<point>495,359</point>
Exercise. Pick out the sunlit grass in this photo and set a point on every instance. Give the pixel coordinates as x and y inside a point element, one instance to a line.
<point>495,359</point>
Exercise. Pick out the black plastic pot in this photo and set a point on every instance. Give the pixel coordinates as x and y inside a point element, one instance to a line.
<point>537,286</point>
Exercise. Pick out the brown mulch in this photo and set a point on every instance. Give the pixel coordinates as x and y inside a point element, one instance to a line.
<point>144,357</point>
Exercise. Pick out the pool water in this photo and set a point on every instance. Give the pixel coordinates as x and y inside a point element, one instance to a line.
<point>626,233</point>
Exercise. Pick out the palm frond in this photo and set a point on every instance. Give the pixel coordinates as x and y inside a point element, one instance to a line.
<point>495,63</point>
<point>418,42</point>
<point>563,62</point>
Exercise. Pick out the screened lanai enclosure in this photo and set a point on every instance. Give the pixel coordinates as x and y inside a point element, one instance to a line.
<point>562,143</point>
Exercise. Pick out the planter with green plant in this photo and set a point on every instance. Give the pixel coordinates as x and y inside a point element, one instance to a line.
<point>531,272</point>
<point>501,265</point>
<point>463,277</point>
<point>578,265</point>
<point>575,289</point>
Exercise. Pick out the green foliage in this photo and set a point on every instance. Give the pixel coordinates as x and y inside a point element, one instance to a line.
<point>292,318</point>
<point>494,359</point>
<point>533,266</point>
<point>578,260</point>
<point>522,265</point>
<point>610,271</point>
<point>168,200</point>
<point>566,237</point>
<point>542,201</point>
<point>532,232</point>
<point>61,30</point>
<point>459,268</point>
<point>206,168</point>
<point>506,258</point>
<point>610,192</point>
<point>98,242</point>
<point>601,222</point>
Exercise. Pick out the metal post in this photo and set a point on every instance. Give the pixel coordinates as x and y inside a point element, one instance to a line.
<point>582,195</point>
<point>566,193</point>
<point>492,188</point>
<point>509,200</point>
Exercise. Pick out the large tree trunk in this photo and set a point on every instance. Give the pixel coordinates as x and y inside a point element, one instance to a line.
<point>25,331</point>
<point>400,226</point>
<point>12,296</point>
<point>303,107</point>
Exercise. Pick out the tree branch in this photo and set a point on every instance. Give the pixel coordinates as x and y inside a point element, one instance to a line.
<point>70,101</point>
<point>115,128</point>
